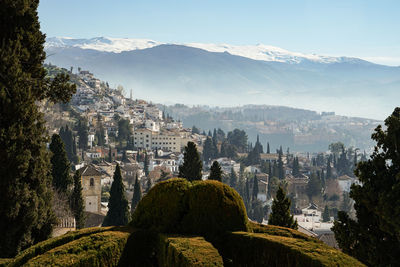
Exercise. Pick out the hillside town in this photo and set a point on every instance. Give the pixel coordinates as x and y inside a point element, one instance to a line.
<point>102,128</point>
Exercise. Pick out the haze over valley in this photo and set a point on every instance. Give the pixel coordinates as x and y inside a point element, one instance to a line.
<point>231,75</point>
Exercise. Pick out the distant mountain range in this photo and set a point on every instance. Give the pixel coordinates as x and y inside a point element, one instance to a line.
<point>228,75</point>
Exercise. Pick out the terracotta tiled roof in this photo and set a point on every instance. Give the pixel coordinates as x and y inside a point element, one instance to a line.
<point>90,170</point>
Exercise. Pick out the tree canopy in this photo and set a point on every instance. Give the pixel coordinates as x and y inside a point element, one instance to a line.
<point>215,172</point>
<point>25,185</point>
<point>374,238</point>
<point>192,165</point>
<point>280,214</point>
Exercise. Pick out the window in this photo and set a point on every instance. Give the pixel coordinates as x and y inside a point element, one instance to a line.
<point>91,181</point>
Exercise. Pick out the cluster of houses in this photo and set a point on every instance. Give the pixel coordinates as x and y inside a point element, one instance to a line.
<point>161,140</point>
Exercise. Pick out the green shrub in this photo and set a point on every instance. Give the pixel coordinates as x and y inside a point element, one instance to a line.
<point>51,243</point>
<point>162,208</point>
<point>252,249</point>
<point>140,249</point>
<point>213,208</point>
<point>280,231</point>
<point>5,262</point>
<point>99,249</point>
<point>187,251</point>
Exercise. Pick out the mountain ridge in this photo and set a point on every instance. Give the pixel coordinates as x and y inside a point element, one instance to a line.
<point>256,52</point>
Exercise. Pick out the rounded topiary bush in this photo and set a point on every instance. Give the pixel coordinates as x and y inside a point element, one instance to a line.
<point>213,208</point>
<point>163,207</point>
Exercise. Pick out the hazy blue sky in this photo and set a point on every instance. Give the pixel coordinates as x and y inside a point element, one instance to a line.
<point>369,29</point>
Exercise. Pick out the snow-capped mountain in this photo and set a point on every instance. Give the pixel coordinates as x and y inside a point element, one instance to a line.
<point>256,52</point>
<point>232,75</point>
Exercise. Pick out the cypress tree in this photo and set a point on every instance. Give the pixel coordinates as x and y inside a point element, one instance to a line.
<point>328,169</point>
<point>281,172</point>
<point>118,209</point>
<point>208,150</point>
<point>146,165</point>
<point>215,172</point>
<point>325,214</point>
<point>109,154</point>
<point>60,165</point>
<point>77,204</point>
<point>233,179</point>
<point>137,195</point>
<point>247,192</point>
<point>192,165</point>
<point>255,187</point>
<point>268,150</point>
<point>25,185</point>
<point>313,186</point>
<point>280,214</point>
<point>374,238</point>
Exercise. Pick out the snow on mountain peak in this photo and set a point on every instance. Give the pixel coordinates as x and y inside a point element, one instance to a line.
<point>256,52</point>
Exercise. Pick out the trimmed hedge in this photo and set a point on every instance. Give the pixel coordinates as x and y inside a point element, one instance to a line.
<point>213,208</point>
<point>163,207</point>
<point>279,231</point>
<point>5,261</point>
<point>202,207</point>
<point>99,249</point>
<point>46,245</point>
<point>254,249</point>
<point>187,251</point>
<point>140,249</point>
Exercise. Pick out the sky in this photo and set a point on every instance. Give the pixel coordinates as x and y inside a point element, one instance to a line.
<point>367,29</point>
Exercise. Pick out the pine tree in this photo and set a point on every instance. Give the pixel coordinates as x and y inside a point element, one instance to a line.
<point>215,172</point>
<point>25,185</point>
<point>137,195</point>
<point>77,204</point>
<point>325,215</point>
<point>233,179</point>
<point>118,209</point>
<point>280,214</point>
<point>60,165</point>
<point>374,238</point>
<point>192,165</point>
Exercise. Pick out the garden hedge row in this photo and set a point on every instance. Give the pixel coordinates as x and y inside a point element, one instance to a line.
<point>258,249</point>
<point>98,249</point>
<point>279,231</point>
<point>46,245</point>
<point>182,251</point>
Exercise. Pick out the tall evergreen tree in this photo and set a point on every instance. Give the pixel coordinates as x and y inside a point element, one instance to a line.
<point>192,165</point>
<point>110,158</point>
<point>255,187</point>
<point>137,195</point>
<point>25,185</point>
<point>146,165</point>
<point>83,133</point>
<point>328,169</point>
<point>280,214</point>
<point>77,204</point>
<point>325,214</point>
<point>268,149</point>
<point>208,148</point>
<point>233,179</point>
<point>374,238</point>
<point>118,209</point>
<point>281,172</point>
<point>215,172</point>
<point>296,169</point>
<point>60,165</point>
<point>313,186</point>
